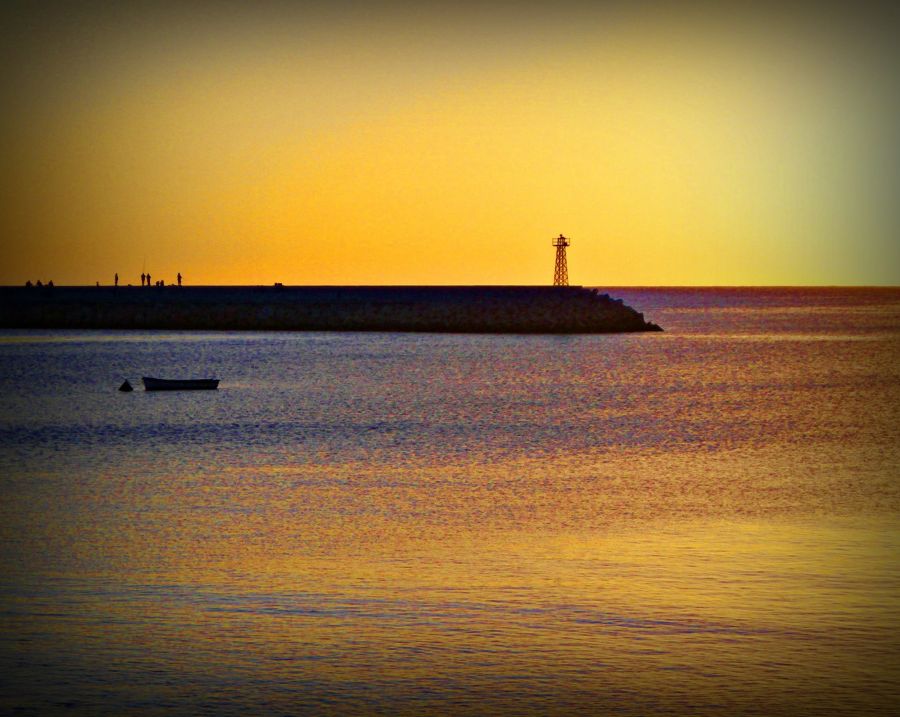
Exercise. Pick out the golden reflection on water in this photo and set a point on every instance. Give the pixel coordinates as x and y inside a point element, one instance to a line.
<point>774,615</point>
<point>615,584</point>
<point>694,523</point>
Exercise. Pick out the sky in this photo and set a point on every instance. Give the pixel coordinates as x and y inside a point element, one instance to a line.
<point>375,142</point>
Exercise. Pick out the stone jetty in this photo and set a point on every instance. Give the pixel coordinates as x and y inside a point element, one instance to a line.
<point>459,309</point>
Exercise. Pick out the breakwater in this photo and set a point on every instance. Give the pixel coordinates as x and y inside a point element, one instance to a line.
<point>469,309</point>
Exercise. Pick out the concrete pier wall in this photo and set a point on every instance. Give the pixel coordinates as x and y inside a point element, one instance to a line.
<point>471,309</point>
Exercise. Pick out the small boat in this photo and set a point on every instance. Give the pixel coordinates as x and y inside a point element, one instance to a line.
<point>191,384</point>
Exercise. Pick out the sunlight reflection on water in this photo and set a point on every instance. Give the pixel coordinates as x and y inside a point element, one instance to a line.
<point>703,521</point>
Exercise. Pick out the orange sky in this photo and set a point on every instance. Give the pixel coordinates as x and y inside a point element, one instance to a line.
<point>417,143</point>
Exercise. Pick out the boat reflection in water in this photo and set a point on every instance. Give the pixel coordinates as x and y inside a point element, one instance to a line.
<point>193,384</point>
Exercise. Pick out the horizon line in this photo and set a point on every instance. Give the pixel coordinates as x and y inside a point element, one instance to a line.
<point>570,286</point>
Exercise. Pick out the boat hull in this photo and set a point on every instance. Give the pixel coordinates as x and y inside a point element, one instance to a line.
<point>194,384</point>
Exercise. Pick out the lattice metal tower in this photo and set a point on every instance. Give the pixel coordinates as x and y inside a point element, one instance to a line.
<point>561,272</point>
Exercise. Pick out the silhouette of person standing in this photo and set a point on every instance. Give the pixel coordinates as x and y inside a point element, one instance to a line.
<point>179,278</point>
<point>148,278</point>
<point>117,279</point>
<point>142,279</point>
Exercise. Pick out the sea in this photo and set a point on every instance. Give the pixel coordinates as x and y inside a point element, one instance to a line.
<point>704,521</point>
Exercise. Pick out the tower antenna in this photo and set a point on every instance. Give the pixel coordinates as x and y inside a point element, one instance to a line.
<point>561,271</point>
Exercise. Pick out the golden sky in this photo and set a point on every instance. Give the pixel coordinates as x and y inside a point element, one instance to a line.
<point>447,143</point>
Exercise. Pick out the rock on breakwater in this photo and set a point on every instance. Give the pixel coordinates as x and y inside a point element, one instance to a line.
<point>468,309</point>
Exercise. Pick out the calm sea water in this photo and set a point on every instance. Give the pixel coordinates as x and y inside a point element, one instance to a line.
<point>703,521</point>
